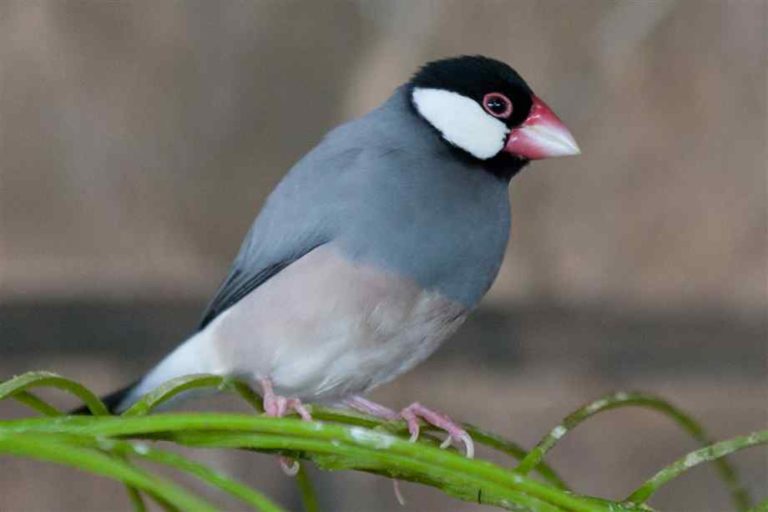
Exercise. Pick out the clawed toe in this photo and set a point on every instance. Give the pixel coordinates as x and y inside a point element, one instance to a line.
<point>464,437</point>
<point>413,412</point>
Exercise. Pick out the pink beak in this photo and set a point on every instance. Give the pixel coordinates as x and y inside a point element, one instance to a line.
<point>542,135</point>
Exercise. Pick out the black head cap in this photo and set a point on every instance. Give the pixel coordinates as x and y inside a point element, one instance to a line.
<point>475,76</point>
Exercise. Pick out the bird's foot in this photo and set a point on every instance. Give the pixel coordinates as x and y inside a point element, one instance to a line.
<point>412,414</point>
<point>278,406</point>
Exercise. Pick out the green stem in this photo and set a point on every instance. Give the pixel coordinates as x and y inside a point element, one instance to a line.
<point>41,447</point>
<point>29,380</point>
<point>484,438</point>
<point>710,453</point>
<point>308,495</point>
<point>291,435</point>
<point>727,472</point>
<point>341,455</point>
<point>514,450</point>
<point>234,488</point>
<point>353,442</point>
<point>176,386</point>
<point>124,450</point>
<point>173,387</point>
<point>34,402</point>
<point>136,500</point>
<point>247,394</point>
<point>167,507</point>
<point>170,389</point>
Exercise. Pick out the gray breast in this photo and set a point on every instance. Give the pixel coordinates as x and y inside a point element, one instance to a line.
<point>408,204</point>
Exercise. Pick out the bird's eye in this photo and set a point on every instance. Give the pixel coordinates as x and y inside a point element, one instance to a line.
<point>497,105</point>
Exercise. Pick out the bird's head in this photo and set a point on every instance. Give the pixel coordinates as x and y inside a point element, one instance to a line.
<point>484,108</point>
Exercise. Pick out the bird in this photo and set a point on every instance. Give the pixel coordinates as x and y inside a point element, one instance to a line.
<point>374,247</point>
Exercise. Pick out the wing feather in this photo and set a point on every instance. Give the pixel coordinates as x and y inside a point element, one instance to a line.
<point>240,282</point>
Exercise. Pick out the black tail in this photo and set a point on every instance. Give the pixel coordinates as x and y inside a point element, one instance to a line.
<point>111,400</point>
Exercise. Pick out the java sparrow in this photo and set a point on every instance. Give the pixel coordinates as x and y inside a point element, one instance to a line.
<point>375,246</point>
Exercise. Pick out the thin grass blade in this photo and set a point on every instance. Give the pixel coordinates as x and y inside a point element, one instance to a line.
<point>30,380</point>
<point>41,447</point>
<point>709,453</point>
<point>726,471</point>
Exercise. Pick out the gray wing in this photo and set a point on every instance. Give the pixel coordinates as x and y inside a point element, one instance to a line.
<point>300,215</point>
<point>328,188</point>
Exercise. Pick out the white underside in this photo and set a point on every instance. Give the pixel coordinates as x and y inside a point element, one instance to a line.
<point>321,329</point>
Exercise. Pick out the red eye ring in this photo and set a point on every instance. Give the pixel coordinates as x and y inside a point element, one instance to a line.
<point>497,105</point>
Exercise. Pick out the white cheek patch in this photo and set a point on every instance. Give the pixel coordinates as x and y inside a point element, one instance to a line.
<point>461,121</point>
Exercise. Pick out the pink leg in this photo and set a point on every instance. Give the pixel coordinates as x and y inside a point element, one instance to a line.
<point>366,406</point>
<point>411,415</point>
<point>277,406</point>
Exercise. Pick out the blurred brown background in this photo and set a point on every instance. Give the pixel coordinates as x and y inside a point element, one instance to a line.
<point>138,139</point>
